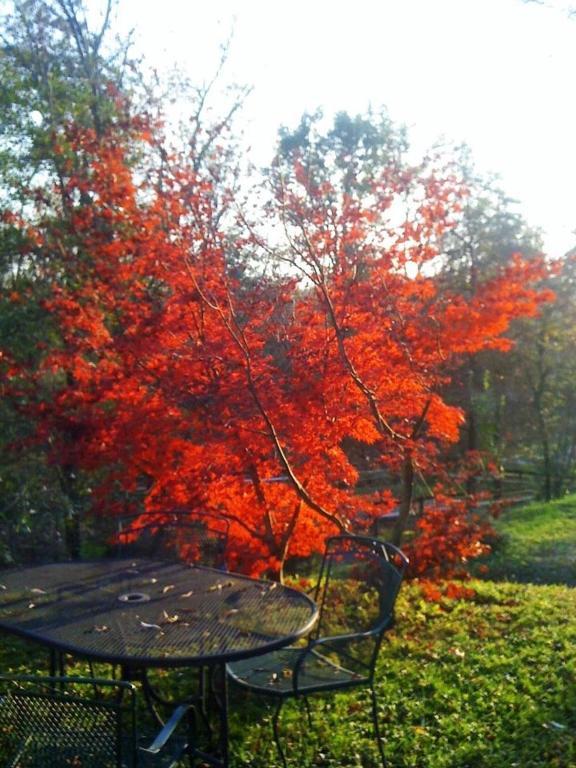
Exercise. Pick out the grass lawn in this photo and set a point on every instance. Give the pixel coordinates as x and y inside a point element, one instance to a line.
<point>489,681</point>
<point>485,682</point>
<point>537,544</point>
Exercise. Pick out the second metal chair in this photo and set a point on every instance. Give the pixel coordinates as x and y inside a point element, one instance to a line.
<point>359,581</point>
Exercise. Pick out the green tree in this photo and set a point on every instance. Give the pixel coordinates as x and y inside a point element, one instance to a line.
<point>484,240</point>
<point>544,385</point>
<point>55,70</point>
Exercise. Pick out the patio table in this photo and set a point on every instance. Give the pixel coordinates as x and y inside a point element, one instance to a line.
<point>142,613</point>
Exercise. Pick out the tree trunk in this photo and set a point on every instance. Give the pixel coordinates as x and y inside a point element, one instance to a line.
<point>406,494</point>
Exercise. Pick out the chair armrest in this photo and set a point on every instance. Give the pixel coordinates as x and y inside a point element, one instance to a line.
<point>167,731</point>
<point>382,627</point>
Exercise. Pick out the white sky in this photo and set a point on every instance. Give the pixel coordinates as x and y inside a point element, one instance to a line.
<point>499,75</point>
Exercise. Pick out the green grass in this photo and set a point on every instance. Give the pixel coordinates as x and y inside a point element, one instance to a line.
<point>487,682</point>
<point>537,543</point>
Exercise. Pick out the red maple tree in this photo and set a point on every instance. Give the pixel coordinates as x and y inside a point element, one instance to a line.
<point>177,381</point>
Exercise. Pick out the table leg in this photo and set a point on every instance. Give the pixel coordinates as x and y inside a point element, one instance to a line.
<point>215,702</point>
<point>53,662</point>
<point>221,699</point>
<point>204,688</point>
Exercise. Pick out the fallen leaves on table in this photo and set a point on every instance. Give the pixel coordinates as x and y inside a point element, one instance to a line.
<point>146,625</point>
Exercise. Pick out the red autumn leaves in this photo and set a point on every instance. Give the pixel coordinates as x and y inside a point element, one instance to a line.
<point>179,380</point>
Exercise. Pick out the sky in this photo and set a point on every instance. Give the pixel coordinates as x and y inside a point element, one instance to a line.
<point>498,75</point>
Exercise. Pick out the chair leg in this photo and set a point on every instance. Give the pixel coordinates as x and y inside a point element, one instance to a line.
<point>277,735</point>
<point>377,727</point>
<point>57,663</point>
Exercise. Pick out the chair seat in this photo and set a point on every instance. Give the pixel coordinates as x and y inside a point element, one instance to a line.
<point>273,673</point>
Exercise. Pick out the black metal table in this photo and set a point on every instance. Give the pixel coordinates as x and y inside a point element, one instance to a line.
<point>142,614</point>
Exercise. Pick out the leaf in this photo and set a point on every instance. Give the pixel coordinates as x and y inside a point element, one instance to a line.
<point>268,588</point>
<point>556,726</point>
<point>219,586</point>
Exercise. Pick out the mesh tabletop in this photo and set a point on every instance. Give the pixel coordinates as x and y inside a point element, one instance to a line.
<point>151,612</point>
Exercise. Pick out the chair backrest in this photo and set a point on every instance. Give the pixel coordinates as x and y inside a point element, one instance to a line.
<point>49,722</point>
<point>359,581</point>
<point>177,537</point>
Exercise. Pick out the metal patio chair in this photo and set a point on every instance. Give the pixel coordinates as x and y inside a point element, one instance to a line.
<point>359,581</point>
<point>61,722</point>
<point>176,536</point>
